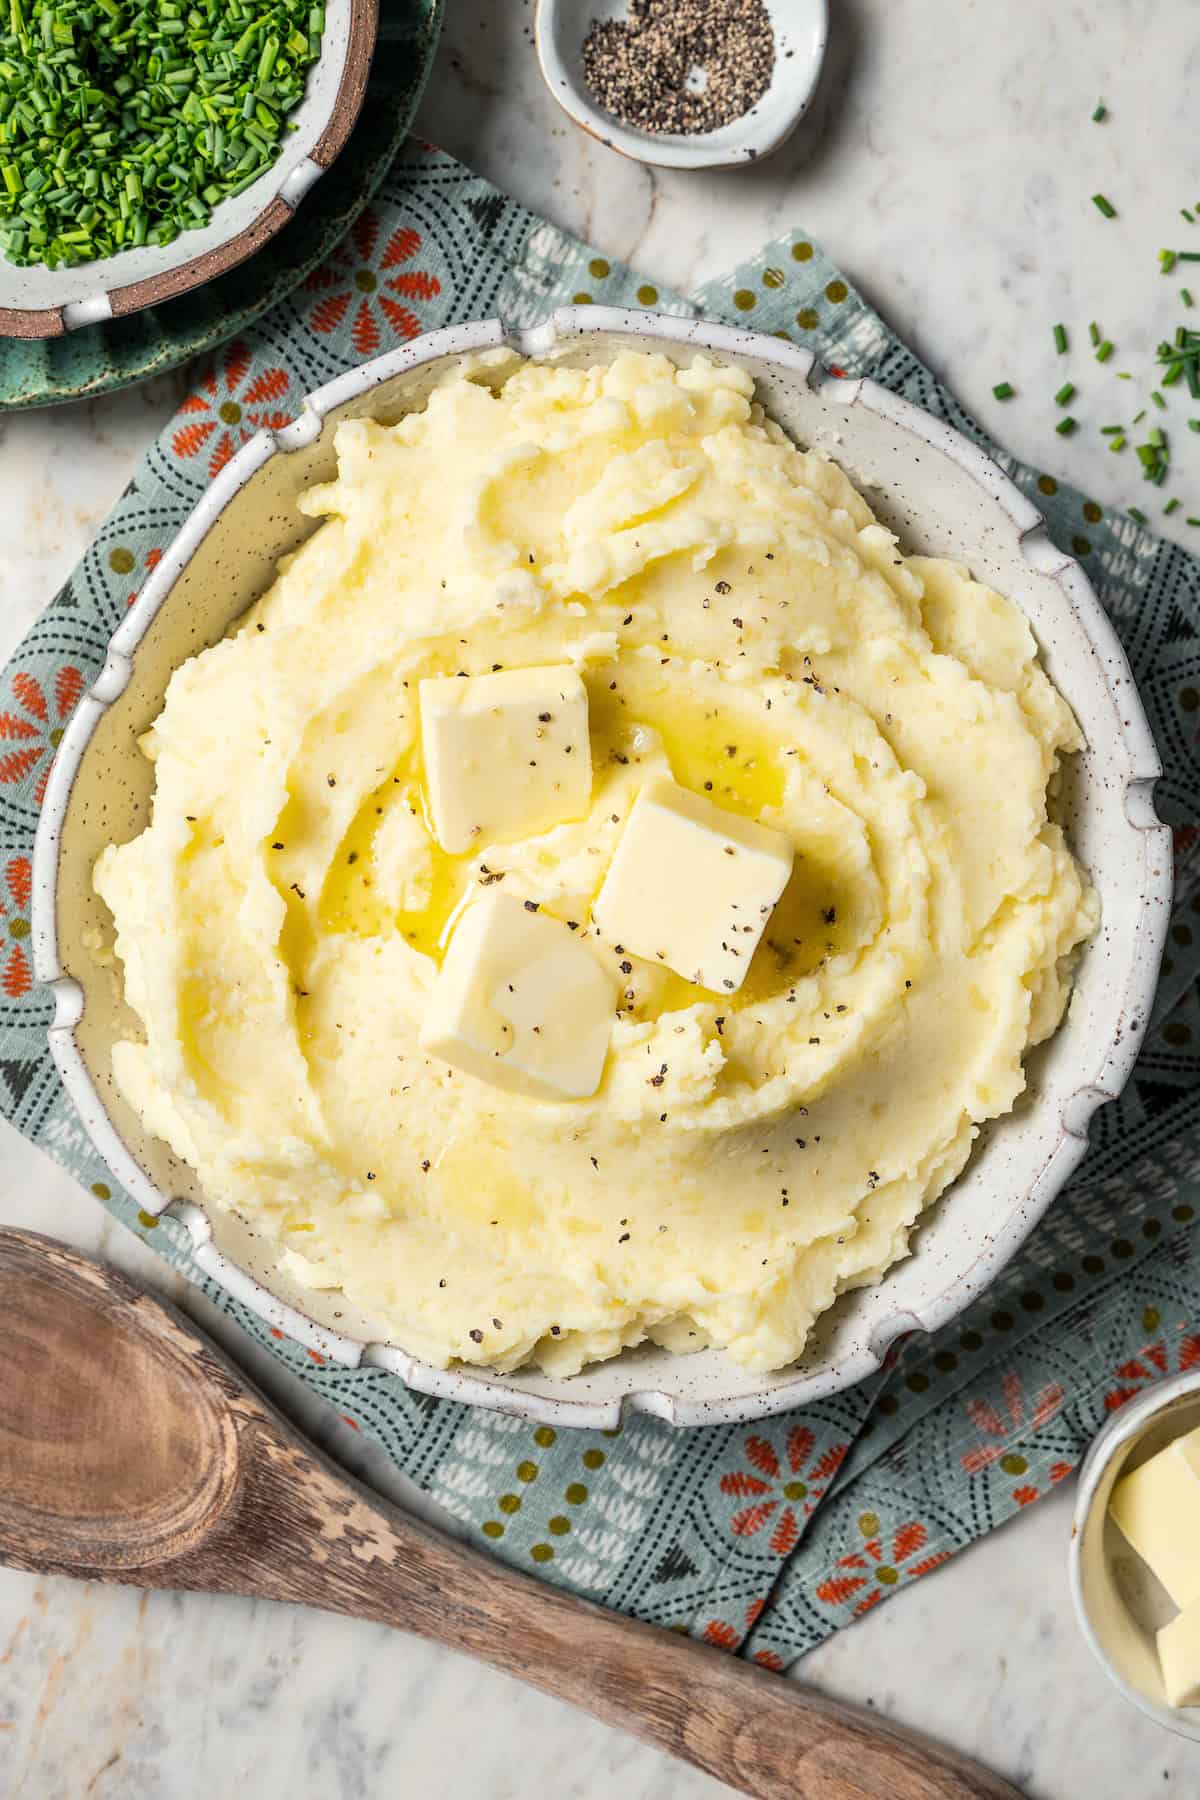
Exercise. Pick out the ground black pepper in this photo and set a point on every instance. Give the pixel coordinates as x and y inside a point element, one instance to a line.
<point>683,66</point>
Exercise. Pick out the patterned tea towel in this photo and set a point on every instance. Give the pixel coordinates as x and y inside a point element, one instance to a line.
<point>761,1539</point>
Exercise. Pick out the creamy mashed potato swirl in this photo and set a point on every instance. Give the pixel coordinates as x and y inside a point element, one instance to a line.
<point>742,622</point>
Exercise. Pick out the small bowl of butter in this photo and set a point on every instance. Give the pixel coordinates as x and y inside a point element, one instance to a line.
<point>1135,1552</point>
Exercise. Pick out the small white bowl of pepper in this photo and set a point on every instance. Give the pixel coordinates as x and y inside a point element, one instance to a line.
<point>684,84</point>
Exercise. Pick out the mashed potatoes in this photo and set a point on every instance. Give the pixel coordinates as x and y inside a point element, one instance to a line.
<point>742,623</point>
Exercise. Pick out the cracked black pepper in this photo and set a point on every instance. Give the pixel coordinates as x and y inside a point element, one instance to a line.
<point>681,66</point>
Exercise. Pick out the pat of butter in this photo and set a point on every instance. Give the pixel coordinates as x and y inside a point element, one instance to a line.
<point>506,755</point>
<point>1179,1657</point>
<point>692,886</point>
<point>520,1002</point>
<point>1157,1508</point>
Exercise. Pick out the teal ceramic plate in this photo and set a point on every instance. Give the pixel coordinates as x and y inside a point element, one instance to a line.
<point>101,358</point>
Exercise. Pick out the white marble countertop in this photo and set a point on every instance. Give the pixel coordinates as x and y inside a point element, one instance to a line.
<point>948,167</point>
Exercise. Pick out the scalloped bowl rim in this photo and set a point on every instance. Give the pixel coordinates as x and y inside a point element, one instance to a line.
<point>1108,1066</point>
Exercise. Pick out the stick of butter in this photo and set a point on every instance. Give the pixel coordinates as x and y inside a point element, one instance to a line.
<point>506,755</point>
<point>1158,1510</point>
<point>521,1003</point>
<point>692,885</point>
<point>1179,1657</point>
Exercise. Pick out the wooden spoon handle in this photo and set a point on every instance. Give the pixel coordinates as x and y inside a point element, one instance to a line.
<point>763,1735</point>
<point>133,1450</point>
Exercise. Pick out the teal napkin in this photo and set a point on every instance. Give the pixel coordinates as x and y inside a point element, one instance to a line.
<point>761,1539</point>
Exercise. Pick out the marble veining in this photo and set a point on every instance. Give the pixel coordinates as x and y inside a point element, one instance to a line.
<point>947,164</point>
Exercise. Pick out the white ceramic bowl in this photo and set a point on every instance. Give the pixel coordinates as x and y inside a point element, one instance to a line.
<point>38,302</point>
<point>945,498</point>
<point>1119,1604</point>
<point>801,30</point>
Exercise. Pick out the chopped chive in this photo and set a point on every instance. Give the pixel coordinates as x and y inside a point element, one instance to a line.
<point>1094,332</point>
<point>1158,437</point>
<point>1170,507</point>
<point>125,122</point>
<point>1004,390</point>
<point>1110,430</point>
<point>1194,424</point>
<point>1136,514</point>
<point>1060,339</point>
<point>1119,442</point>
<point>1166,261</point>
<point>1172,375</point>
<point>1104,206</point>
<point>1066,426</point>
<point>1158,399</point>
<point>1065,394</point>
<point>1138,417</point>
<point>1188,255</point>
<point>1104,351</point>
<point>1101,112</point>
<point>1193,521</point>
<point>1190,217</point>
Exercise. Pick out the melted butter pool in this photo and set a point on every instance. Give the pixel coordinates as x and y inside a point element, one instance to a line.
<point>350,899</point>
<point>634,708</point>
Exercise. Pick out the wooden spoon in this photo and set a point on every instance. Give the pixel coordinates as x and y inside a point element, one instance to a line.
<point>132,1450</point>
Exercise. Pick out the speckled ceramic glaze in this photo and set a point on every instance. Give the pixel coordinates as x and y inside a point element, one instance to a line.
<point>128,346</point>
<point>945,498</point>
<point>801,29</point>
<point>1119,1604</point>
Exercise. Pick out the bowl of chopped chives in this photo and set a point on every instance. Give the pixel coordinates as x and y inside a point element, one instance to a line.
<point>147,146</point>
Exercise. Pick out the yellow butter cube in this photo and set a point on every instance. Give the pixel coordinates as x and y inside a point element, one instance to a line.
<point>521,1002</point>
<point>692,886</point>
<point>506,755</point>
<point>1157,1508</point>
<point>1179,1657</point>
